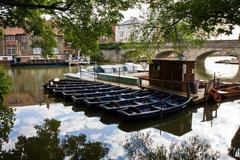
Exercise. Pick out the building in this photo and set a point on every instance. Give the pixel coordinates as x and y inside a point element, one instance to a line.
<point>124,30</point>
<point>173,74</point>
<point>16,46</point>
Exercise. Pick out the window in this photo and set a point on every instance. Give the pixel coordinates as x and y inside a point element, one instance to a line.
<point>23,38</point>
<point>10,38</point>
<point>11,50</point>
<point>55,51</point>
<point>121,34</point>
<point>37,50</point>
<point>23,48</point>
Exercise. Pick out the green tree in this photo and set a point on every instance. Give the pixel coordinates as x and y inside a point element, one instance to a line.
<point>5,84</point>
<point>184,23</point>
<point>162,25</point>
<point>81,22</point>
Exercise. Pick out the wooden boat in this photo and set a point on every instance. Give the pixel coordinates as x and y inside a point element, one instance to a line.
<point>52,88</point>
<point>218,94</point>
<point>65,82</point>
<point>71,85</point>
<point>101,100</point>
<point>79,98</point>
<point>69,93</point>
<point>70,89</point>
<point>169,105</point>
<point>114,106</point>
<point>230,61</point>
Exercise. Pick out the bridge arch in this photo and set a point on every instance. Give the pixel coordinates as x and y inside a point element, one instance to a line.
<point>164,53</point>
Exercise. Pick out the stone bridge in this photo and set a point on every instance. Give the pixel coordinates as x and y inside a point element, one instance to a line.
<point>225,47</point>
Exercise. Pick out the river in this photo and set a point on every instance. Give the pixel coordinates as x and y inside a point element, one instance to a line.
<point>216,123</point>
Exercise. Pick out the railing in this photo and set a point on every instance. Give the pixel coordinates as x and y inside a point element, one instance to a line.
<point>187,88</point>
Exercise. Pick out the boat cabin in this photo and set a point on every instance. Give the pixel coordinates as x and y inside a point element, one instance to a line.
<point>173,74</point>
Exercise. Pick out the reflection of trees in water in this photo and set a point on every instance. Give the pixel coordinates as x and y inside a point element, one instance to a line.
<point>29,80</point>
<point>6,123</point>
<point>47,145</point>
<point>140,146</point>
<point>234,151</point>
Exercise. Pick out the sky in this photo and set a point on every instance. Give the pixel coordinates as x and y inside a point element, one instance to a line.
<point>136,12</point>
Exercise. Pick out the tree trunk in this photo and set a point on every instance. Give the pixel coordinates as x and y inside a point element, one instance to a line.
<point>1,100</point>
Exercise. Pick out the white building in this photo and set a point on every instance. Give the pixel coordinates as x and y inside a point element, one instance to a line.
<point>124,30</point>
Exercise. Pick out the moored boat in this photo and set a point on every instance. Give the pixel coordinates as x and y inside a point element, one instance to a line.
<point>79,98</point>
<point>218,94</point>
<point>69,93</point>
<point>114,106</point>
<point>169,105</point>
<point>62,89</point>
<point>101,100</point>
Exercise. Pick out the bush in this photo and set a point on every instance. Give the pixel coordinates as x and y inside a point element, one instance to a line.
<point>98,57</point>
<point>5,83</point>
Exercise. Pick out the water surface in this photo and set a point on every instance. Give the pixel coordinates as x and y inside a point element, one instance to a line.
<point>217,123</point>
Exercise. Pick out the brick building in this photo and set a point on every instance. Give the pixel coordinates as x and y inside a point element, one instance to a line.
<point>16,46</point>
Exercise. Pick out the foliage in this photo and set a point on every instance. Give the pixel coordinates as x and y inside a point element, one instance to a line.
<point>164,26</point>
<point>110,46</point>
<point>6,123</point>
<point>139,146</point>
<point>97,57</point>
<point>220,16</point>
<point>5,83</point>
<point>47,145</point>
<point>80,22</point>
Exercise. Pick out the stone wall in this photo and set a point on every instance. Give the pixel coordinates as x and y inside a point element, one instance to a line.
<point>113,55</point>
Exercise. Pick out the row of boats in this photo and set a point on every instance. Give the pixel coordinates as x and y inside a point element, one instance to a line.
<point>129,103</point>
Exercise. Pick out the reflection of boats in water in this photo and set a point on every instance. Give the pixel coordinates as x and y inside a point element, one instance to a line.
<point>110,119</point>
<point>234,150</point>
<point>89,112</point>
<point>177,124</point>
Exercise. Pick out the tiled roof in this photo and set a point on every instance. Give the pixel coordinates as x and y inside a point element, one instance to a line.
<point>14,31</point>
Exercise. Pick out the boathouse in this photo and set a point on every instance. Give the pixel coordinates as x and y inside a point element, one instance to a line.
<point>173,75</point>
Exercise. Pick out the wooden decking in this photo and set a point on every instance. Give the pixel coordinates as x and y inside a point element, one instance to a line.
<point>199,97</point>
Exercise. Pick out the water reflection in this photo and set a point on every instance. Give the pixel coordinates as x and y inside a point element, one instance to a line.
<point>234,150</point>
<point>177,124</point>
<point>6,123</point>
<point>113,131</point>
<point>27,83</point>
<point>46,144</point>
<point>210,112</point>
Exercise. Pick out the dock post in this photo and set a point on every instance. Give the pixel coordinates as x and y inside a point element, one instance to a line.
<point>188,89</point>
<point>119,81</point>
<point>205,92</point>
<point>94,69</point>
<point>140,82</point>
<point>162,109</point>
<point>80,73</point>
